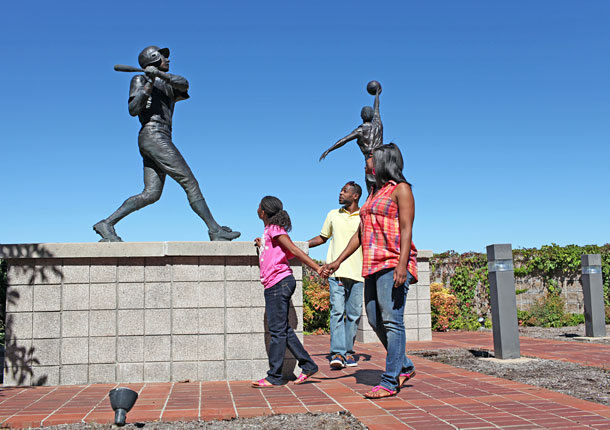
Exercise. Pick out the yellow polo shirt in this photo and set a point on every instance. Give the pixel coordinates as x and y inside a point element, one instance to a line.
<point>340,226</point>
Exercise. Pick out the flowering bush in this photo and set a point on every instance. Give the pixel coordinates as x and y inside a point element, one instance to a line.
<point>316,303</point>
<point>443,305</point>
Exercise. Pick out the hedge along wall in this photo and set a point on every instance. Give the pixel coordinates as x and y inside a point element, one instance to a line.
<point>552,268</point>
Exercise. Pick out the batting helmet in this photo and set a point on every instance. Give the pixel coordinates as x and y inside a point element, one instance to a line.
<point>151,55</point>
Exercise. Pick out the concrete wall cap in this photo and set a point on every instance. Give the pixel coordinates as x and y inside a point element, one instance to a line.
<point>140,249</point>
<point>129,249</point>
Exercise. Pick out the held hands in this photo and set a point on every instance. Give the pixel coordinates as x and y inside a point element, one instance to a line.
<point>328,269</point>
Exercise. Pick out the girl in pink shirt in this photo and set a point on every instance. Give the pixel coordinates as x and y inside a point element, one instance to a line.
<point>274,250</point>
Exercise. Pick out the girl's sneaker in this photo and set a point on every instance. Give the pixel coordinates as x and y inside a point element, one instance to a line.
<point>350,361</point>
<point>337,362</point>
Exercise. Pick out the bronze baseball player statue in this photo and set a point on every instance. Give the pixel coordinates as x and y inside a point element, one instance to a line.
<point>152,97</point>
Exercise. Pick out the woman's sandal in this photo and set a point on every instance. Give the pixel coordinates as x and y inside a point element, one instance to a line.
<point>404,377</point>
<point>263,383</point>
<point>303,377</point>
<point>379,392</point>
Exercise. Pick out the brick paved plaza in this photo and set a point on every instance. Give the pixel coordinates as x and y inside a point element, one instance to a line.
<point>440,396</point>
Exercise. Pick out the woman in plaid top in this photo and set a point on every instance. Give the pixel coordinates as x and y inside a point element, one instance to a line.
<point>389,262</point>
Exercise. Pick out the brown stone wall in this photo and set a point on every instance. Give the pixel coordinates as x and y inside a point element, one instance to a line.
<point>571,292</point>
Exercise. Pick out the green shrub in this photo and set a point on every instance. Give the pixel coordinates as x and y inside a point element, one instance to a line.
<point>316,303</point>
<point>465,321</point>
<point>522,316</point>
<point>548,311</point>
<point>576,319</point>
<point>465,277</point>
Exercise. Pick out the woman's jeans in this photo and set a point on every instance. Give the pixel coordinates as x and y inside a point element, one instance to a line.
<point>385,308</point>
<point>277,305</point>
<point>345,311</point>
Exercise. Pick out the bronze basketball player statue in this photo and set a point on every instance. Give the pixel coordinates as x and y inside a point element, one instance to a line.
<point>369,134</point>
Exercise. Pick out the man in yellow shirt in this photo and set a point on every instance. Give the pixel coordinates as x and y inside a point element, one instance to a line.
<point>346,284</point>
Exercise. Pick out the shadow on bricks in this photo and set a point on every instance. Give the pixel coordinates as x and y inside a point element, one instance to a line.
<point>19,358</point>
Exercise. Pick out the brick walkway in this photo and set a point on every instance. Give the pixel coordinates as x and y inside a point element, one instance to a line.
<point>439,397</point>
<point>590,354</point>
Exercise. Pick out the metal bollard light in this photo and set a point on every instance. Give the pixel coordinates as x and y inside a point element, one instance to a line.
<point>593,291</point>
<point>503,301</point>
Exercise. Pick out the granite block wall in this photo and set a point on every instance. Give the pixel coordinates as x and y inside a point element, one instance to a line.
<point>91,313</point>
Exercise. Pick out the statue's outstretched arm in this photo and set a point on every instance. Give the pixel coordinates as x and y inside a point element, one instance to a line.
<point>376,105</point>
<point>353,135</point>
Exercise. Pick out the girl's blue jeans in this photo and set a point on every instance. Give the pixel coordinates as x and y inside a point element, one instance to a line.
<point>277,305</point>
<point>385,308</point>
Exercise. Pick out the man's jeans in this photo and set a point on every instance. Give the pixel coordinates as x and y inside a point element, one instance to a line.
<point>345,311</point>
<point>277,305</point>
<point>385,308</point>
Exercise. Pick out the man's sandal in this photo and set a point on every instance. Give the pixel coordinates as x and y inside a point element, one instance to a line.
<point>303,377</point>
<point>379,392</point>
<point>263,383</point>
<point>404,377</point>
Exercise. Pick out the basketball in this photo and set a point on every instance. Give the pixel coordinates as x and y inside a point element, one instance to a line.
<point>372,87</point>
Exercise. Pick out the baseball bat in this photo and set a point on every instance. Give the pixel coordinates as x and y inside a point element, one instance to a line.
<point>124,68</point>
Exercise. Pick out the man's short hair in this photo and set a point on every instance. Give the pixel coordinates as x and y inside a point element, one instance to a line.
<point>357,188</point>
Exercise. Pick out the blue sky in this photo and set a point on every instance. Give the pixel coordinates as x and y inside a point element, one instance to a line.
<point>501,110</point>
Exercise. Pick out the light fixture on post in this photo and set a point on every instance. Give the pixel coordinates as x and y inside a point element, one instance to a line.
<point>503,301</point>
<point>593,292</point>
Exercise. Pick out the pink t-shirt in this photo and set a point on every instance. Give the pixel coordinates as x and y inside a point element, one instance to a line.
<point>272,259</point>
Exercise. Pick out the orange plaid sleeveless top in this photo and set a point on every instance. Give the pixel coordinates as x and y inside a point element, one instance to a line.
<point>380,234</point>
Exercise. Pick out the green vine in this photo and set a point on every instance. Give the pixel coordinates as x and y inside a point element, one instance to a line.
<point>554,264</point>
<point>466,275</point>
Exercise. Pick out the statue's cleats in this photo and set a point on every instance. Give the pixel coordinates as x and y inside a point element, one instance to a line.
<point>107,232</point>
<point>223,234</point>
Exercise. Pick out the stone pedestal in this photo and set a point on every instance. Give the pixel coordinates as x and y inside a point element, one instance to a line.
<point>418,323</point>
<point>81,313</point>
